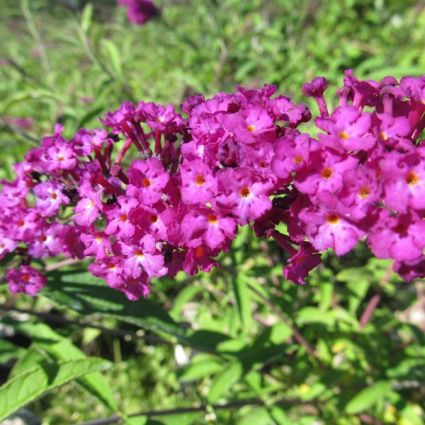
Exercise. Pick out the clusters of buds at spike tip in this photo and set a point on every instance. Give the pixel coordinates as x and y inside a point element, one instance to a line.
<point>221,163</point>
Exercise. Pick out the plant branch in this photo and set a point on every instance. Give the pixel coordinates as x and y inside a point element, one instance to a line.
<point>202,408</point>
<point>375,300</point>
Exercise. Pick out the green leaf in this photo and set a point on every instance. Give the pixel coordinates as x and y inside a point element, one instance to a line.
<point>315,315</point>
<point>243,300</point>
<point>31,359</point>
<point>86,17</point>
<point>74,291</point>
<point>279,416</point>
<point>62,349</point>
<point>368,397</point>
<point>137,420</point>
<point>28,386</point>
<point>184,296</point>
<point>202,368</point>
<point>254,415</point>
<point>65,289</point>
<point>114,56</point>
<point>9,351</point>
<point>225,380</point>
<point>354,274</point>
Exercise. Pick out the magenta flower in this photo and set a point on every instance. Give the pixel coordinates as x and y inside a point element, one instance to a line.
<point>325,172</point>
<point>198,183</point>
<point>400,238</point>
<point>119,220</point>
<point>301,263</point>
<point>214,230</point>
<point>198,259</point>
<point>97,245</point>
<point>6,245</point>
<point>25,279</point>
<point>145,257</point>
<point>291,154</point>
<point>50,198</point>
<point>147,179</point>
<point>347,128</point>
<point>404,181</point>
<point>327,228</point>
<point>139,11</point>
<point>244,194</point>
<point>87,209</point>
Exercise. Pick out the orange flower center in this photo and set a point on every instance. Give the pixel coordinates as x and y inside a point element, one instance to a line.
<point>244,192</point>
<point>146,182</point>
<point>383,136</point>
<point>326,173</point>
<point>412,178</point>
<point>343,135</point>
<point>199,251</point>
<point>297,159</point>
<point>364,192</point>
<point>332,219</point>
<point>139,253</point>
<point>200,180</point>
<point>251,128</point>
<point>212,219</point>
<point>123,217</point>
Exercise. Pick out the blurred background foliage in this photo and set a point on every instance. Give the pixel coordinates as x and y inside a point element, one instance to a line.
<point>242,337</point>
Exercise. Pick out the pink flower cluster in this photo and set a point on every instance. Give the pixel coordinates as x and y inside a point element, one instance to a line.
<point>363,176</point>
<point>229,161</point>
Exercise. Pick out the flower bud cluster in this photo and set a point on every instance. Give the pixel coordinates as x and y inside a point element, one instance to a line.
<point>232,160</point>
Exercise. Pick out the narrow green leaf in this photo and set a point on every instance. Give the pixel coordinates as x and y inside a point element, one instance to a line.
<point>65,289</point>
<point>114,56</point>
<point>28,386</point>
<point>368,397</point>
<point>184,296</point>
<point>62,349</point>
<point>225,380</point>
<point>86,17</point>
<point>243,300</point>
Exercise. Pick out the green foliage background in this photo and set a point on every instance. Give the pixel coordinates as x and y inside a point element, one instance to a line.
<point>242,336</point>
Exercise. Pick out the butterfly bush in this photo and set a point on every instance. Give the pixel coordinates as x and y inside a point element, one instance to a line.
<point>216,165</point>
